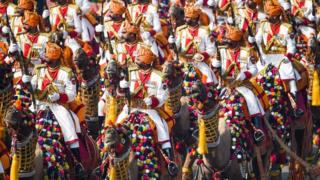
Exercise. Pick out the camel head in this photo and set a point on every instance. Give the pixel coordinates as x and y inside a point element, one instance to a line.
<point>173,73</point>
<point>87,66</point>
<point>116,140</point>
<point>176,16</point>
<point>57,38</point>
<point>16,123</point>
<point>112,72</point>
<point>13,118</point>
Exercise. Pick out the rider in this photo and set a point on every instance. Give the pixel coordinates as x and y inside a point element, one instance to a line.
<point>237,63</point>
<point>31,43</point>
<point>275,39</point>
<point>18,15</point>
<point>146,12</point>
<point>194,44</point>
<point>68,16</point>
<point>148,92</point>
<point>61,86</point>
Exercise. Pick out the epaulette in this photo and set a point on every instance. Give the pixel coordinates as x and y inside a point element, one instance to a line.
<point>133,67</point>
<point>245,49</point>
<point>76,7</point>
<point>46,34</point>
<point>158,72</point>
<point>12,5</point>
<point>53,6</point>
<point>182,27</point>
<point>67,70</point>
<point>37,68</point>
<point>205,28</point>
<point>222,47</point>
<point>288,26</point>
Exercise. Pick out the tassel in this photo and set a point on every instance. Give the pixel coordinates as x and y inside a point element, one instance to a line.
<point>112,173</point>
<point>18,104</point>
<point>112,112</point>
<point>316,89</point>
<point>14,171</point>
<point>202,146</point>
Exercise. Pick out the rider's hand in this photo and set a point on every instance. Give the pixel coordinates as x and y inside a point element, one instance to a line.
<point>198,57</point>
<point>13,48</point>
<point>45,14</point>
<point>171,39</point>
<point>311,18</point>
<point>9,60</point>
<point>5,30</point>
<point>146,36</point>
<point>241,76</point>
<point>148,101</point>
<point>99,28</point>
<point>211,3</point>
<point>251,39</point>
<point>26,78</point>
<point>124,84</point>
<point>54,97</point>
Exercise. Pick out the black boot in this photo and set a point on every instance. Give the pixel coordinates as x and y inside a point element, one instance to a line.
<point>101,121</point>
<point>172,166</point>
<point>79,169</point>
<point>297,112</point>
<point>258,134</point>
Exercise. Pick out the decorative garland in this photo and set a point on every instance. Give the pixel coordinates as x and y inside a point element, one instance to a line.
<point>22,102</point>
<point>50,139</point>
<point>141,135</point>
<point>232,111</point>
<point>270,81</point>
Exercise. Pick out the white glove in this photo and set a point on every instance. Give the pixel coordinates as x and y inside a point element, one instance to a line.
<point>5,30</point>
<point>54,97</point>
<point>26,78</point>
<point>198,3</point>
<point>211,3</point>
<point>215,63</point>
<point>286,6</point>
<point>13,48</point>
<point>148,101</point>
<point>124,84</point>
<point>65,34</point>
<point>251,39</point>
<point>307,13</point>
<point>198,57</point>
<point>146,35</point>
<point>311,18</point>
<point>230,20</point>
<point>8,60</point>
<point>211,26</point>
<point>241,77</point>
<point>171,39</point>
<point>99,28</point>
<point>45,14</point>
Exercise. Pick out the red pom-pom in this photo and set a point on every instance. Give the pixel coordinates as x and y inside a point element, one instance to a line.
<point>273,158</point>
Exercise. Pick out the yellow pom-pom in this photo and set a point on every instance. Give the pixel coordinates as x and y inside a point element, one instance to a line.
<point>202,146</point>
<point>316,89</point>
<point>112,174</point>
<point>14,171</point>
<point>112,112</point>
